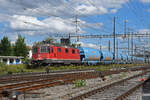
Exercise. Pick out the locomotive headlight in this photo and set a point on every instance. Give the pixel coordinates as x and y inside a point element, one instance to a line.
<point>38,55</point>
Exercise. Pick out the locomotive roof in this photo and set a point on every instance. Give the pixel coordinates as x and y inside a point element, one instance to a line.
<point>59,45</point>
<point>88,48</point>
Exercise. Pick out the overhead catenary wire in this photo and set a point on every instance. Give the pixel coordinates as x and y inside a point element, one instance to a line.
<point>141,16</point>
<point>137,16</point>
<point>66,5</point>
<point>78,13</point>
<point>109,17</point>
<point>59,16</point>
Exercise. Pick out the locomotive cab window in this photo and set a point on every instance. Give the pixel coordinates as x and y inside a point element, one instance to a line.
<point>48,49</point>
<point>73,51</point>
<point>66,50</point>
<point>52,49</point>
<point>35,50</point>
<point>44,49</point>
<point>59,49</point>
<point>81,51</point>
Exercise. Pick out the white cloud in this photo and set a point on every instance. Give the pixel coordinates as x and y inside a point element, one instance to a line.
<point>144,31</point>
<point>89,10</point>
<point>58,14</point>
<point>25,22</point>
<point>145,1</point>
<point>91,45</point>
<point>148,10</point>
<point>13,38</point>
<point>84,24</point>
<point>60,25</point>
<point>32,26</point>
<point>89,7</point>
<point>113,10</point>
<point>59,7</point>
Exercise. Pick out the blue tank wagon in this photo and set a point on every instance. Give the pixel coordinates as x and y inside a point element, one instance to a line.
<point>130,59</point>
<point>124,59</point>
<point>118,59</point>
<point>90,56</point>
<point>139,60</point>
<point>108,57</point>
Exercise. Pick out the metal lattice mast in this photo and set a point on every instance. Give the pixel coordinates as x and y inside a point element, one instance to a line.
<point>114,34</point>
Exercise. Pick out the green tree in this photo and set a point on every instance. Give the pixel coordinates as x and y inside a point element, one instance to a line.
<point>49,40</point>
<point>5,47</point>
<point>20,48</point>
<point>46,41</point>
<point>12,49</point>
<point>76,45</point>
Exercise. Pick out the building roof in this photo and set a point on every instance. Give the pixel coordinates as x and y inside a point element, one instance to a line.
<point>29,47</point>
<point>13,57</point>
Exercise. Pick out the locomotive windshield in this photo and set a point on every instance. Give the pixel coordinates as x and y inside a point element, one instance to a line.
<point>35,50</point>
<point>44,49</point>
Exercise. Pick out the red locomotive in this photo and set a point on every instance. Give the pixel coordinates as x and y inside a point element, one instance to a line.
<point>52,54</point>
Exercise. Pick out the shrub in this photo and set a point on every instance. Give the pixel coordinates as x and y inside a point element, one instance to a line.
<point>2,64</point>
<point>124,74</point>
<point>80,83</point>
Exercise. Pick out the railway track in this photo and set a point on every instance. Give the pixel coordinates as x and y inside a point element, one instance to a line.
<point>38,73</point>
<point>38,76</point>
<point>129,92</point>
<point>42,83</point>
<point>115,91</point>
<point>52,80</point>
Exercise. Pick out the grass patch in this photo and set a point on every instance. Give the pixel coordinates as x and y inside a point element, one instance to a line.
<point>21,68</point>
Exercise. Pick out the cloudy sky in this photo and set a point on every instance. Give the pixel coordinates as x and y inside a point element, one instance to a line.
<point>38,19</point>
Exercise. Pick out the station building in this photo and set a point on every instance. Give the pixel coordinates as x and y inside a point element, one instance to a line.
<point>11,60</point>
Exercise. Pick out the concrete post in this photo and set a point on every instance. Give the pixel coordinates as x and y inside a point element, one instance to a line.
<point>20,61</point>
<point>8,61</point>
<point>14,62</point>
<point>1,59</point>
<point>30,54</point>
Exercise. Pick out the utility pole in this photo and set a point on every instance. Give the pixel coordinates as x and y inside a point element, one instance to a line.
<point>69,38</point>
<point>109,45</point>
<point>117,48</point>
<point>76,22</point>
<point>128,43</point>
<point>135,49</point>
<point>144,54</point>
<point>125,27</point>
<point>114,34</point>
<point>132,45</point>
<point>100,44</point>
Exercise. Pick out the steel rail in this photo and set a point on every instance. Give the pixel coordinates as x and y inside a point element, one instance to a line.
<point>37,73</point>
<point>45,76</point>
<point>129,92</point>
<point>90,93</point>
<point>53,81</point>
<point>33,85</point>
